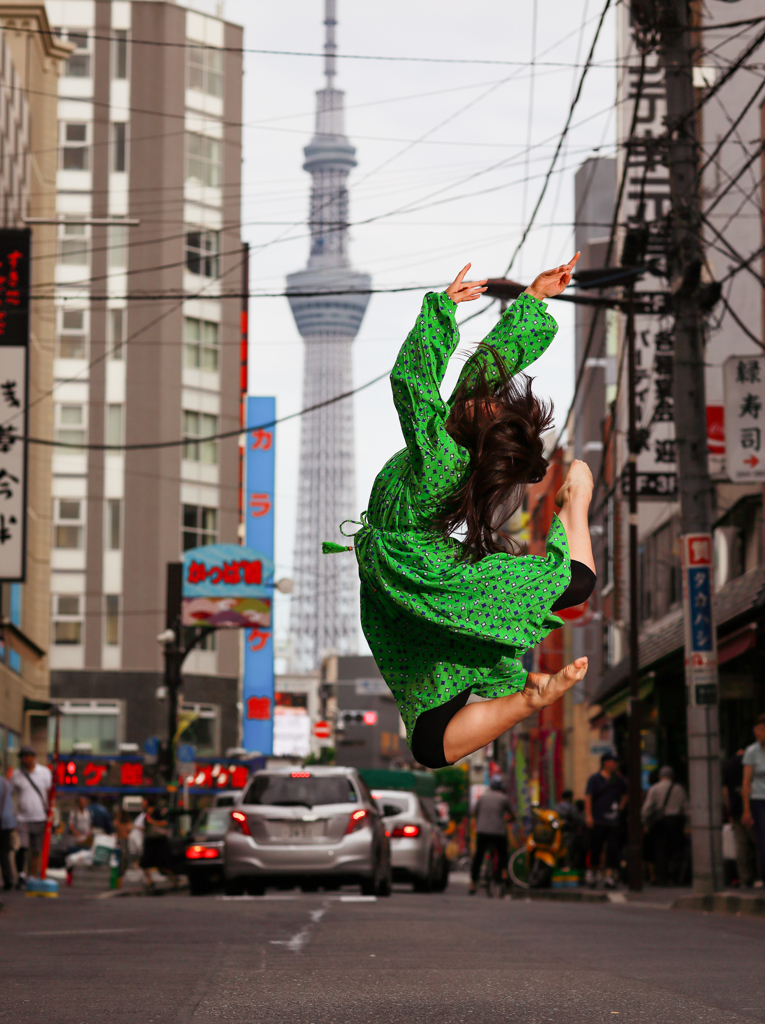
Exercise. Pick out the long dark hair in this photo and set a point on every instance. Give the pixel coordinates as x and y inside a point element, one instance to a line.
<point>501,424</point>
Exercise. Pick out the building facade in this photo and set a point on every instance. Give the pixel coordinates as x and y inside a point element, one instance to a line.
<point>30,58</point>
<point>149,180</point>
<point>325,605</point>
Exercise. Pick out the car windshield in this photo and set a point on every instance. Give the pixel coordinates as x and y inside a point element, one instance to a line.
<point>213,822</point>
<point>300,790</point>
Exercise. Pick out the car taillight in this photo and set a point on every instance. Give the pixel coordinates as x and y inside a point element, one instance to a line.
<point>405,832</point>
<point>202,853</point>
<point>239,820</point>
<point>356,821</point>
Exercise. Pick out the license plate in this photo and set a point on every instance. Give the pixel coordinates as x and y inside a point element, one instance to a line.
<point>298,830</point>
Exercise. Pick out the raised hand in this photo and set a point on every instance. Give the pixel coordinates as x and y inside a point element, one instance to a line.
<point>552,282</point>
<point>465,291</point>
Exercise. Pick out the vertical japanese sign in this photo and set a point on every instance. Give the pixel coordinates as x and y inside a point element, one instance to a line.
<point>744,383</point>
<point>258,681</point>
<point>700,639</point>
<point>14,372</point>
<point>646,206</point>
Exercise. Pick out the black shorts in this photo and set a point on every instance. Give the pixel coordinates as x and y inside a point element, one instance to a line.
<point>429,729</point>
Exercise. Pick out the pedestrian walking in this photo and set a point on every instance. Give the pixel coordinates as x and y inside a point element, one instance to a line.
<point>753,789</point>
<point>123,826</point>
<point>574,829</point>
<point>156,844</point>
<point>7,828</point>
<point>605,797</point>
<point>743,835</point>
<point>447,617</point>
<point>30,784</point>
<point>492,812</point>
<point>663,816</point>
<point>80,825</point>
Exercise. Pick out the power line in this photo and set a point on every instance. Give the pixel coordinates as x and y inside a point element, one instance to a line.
<point>562,137</point>
<point>223,435</point>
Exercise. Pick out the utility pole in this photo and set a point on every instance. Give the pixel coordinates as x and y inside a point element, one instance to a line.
<point>686,258</point>
<point>174,655</point>
<point>634,823</point>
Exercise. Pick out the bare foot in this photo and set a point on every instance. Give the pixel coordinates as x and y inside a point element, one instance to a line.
<point>541,690</point>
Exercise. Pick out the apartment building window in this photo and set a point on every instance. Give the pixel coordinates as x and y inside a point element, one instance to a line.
<point>201,340</point>
<point>202,251</point>
<point>119,146</point>
<point>74,140</point>
<point>206,69</point>
<point>67,619</point>
<point>660,579</point>
<point>71,340</point>
<point>68,524</point>
<point>113,524</point>
<point>112,620</point>
<point>120,54</point>
<point>196,427</point>
<point>78,64</point>
<point>200,526</point>
<point>118,235</point>
<point>203,159</point>
<point>70,424</point>
<point>73,243</point>
<point>116,333</point>
<point>115,416</point>
<point>96,722</point>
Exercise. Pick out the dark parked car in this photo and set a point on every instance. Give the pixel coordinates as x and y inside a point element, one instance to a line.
<point>203,855</point>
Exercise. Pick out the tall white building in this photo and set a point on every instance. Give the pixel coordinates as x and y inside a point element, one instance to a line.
<point>149,181</point>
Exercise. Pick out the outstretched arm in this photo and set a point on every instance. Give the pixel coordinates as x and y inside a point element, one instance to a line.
<point>526,329</point>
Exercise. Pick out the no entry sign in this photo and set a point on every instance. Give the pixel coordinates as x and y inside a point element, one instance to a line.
<point>321,730</point>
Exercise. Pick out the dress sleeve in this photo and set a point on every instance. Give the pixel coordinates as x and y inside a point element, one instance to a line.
<point>437,461</point>
<point>523,333</point>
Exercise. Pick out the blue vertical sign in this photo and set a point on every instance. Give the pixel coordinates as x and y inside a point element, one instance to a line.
<point>258,682</point>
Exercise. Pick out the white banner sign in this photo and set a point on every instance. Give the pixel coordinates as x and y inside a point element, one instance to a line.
<point>744,382</point>
<point>13,401</point>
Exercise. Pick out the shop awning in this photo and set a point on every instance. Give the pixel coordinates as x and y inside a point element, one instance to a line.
<point>745,594</point>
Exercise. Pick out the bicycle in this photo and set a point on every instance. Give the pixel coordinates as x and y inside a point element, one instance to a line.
<point>490,877</point>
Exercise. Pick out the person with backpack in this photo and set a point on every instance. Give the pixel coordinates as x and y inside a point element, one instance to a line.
<point>30,784</point>
<point>663,815</point>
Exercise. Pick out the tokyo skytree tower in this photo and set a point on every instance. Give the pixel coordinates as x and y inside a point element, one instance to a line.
<point>325,606</point>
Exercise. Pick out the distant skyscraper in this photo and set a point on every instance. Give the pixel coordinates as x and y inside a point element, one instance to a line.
<point>324,607</point>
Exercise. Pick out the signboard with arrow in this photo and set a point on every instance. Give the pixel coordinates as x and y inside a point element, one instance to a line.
<point>744,380</point>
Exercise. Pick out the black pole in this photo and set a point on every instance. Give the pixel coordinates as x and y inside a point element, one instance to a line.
<point>173,659</point>
<point>634,824</point>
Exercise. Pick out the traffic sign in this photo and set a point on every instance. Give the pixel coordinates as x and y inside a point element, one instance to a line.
<point>321,730</point>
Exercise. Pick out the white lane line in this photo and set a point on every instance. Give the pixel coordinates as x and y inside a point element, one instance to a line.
<point>317,915</point>
<point>87,931</point>
<point>616,897</point>
<point>296,942</point>
<point>358,899</point>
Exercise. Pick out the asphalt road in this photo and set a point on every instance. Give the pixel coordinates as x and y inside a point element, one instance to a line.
<point>410,959</point>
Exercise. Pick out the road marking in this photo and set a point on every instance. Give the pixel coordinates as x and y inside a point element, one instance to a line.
<point>304,897</point>
<point>358,899</point>
<point>87,931</point>
<point>296,943</point>
<point>616,897</point>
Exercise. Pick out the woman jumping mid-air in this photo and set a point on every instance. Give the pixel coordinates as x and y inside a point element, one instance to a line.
<point>446,617</point>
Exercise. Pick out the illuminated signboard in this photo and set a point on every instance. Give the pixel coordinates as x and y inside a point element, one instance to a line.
<point>14,372</point>
<point>83,773</point>
<point>227,586</point>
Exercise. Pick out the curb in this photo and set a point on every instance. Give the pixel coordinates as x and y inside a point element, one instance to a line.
<point>723,903</point>
<point>560,895</point>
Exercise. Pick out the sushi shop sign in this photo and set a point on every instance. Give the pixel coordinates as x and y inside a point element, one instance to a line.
<point>226,586</point>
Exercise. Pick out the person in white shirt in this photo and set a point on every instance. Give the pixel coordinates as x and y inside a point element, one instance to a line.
<point>81,824</point>
<point>663,815</point>
<point>31,784</point>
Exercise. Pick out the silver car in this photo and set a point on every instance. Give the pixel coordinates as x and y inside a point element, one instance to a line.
<point>317,826</point>
<point>417,847</point>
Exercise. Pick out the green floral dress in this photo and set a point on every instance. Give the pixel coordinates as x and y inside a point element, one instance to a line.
<point>436,622</point>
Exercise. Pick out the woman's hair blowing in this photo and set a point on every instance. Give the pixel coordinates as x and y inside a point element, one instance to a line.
<point>501,424</point>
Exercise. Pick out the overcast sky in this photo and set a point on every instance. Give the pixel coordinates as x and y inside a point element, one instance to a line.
<point>429,137</point>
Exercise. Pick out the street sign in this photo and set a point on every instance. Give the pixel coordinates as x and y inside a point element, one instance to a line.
<point>700,638</point>
<point>321,730</point>
<point>744,384</point>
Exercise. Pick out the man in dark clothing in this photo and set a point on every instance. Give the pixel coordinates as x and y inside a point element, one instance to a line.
<point>746,844</point>
<point>605,797</point>
<point>492,812</point>
<point>574,829</point>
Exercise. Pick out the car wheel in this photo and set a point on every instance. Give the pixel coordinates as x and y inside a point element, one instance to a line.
<point>425,884</point>
<point>386,882</point>
<point>370,886</point>
<point>442,878</point>
<point>198,884</point>
<point>235,886</point>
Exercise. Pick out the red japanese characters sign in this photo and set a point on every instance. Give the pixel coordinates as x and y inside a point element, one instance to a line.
<point>14,286</point>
